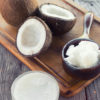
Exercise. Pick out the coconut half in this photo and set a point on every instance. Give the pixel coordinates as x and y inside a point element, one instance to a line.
<point>34,36</point>
<point>59,19</point>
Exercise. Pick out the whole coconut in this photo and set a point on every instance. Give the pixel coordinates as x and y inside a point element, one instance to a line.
<point>16,11</point>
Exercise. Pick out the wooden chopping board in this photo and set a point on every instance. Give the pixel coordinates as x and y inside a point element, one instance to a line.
<point>51,60</point>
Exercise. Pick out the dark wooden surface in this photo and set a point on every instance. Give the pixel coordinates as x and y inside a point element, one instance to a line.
<point>11,67</point>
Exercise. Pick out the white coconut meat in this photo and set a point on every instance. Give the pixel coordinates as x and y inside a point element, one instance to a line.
<point>35,86</point>
<point>57,12</point>
<point>85,55</point>
<point>31,37</point>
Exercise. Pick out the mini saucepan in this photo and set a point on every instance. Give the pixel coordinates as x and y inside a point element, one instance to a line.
<point>76,72</point>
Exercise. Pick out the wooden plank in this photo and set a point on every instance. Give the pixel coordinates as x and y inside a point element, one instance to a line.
<point>79,96</point>
<point>93,90</point>
<point>82,9</point>
<point>90,5</point>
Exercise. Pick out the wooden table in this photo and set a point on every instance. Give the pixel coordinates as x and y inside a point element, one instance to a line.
<point>11,67</point>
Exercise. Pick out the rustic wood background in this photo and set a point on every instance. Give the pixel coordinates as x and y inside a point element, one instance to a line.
<point>11,67</point>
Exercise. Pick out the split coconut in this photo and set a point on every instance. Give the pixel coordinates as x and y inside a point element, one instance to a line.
<point>59,19</point>
<point>15,12</point>
<point>34,36</point>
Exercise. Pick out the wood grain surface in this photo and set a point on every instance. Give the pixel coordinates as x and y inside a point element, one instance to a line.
<point>10,68</point>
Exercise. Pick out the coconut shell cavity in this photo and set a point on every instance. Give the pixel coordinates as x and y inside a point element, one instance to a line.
<point>15,12</point>
<point>34,36</point>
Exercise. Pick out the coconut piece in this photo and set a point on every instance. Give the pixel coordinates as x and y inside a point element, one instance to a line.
<point>15,12</point>
<point>35,85</point>
<point>59,19</point>
<point>34,36</point>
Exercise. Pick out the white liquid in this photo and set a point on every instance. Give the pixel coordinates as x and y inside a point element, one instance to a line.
<point>35,86</point>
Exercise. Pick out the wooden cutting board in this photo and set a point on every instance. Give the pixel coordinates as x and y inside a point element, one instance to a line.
<point>51,60</point>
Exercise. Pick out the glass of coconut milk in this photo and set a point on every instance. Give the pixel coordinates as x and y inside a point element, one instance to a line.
<point>35,85</point>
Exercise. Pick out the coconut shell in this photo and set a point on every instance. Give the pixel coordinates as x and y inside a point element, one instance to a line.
<point>16,11</point>
<point>48,39</point>
<point>76,72</point>
<point>57,25</point>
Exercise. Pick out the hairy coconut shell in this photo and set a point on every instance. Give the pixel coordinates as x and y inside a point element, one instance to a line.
<point>76,72</point>
<point>16,11</point>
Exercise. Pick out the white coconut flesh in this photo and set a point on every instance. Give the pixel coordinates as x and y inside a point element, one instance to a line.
<point>35,86</point>
<point>31,37</point>
<point>57,12</point>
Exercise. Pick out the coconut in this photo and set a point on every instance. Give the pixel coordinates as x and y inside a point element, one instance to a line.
<point>59,19</point>
<point>15,12</point>
<point>33,37</point>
